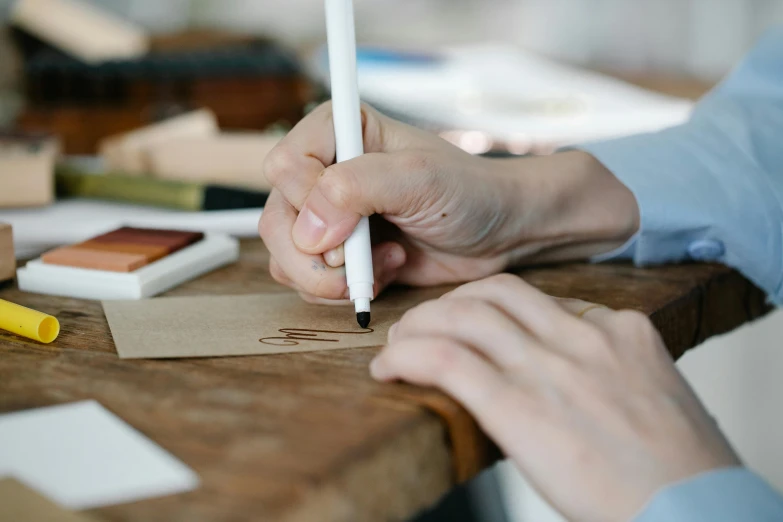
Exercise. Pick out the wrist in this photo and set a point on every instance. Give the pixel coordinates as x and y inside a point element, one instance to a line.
<point>571,207</point>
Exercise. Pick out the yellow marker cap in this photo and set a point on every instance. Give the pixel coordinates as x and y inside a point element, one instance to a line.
<point>28,323</point>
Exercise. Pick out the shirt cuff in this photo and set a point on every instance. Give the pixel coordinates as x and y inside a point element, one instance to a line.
<point>627,251</point>
<point>693,209</point>
<point>669,221</point>
<point>728,495</point>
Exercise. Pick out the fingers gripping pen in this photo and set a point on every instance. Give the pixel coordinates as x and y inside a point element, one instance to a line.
<point>346,109</point>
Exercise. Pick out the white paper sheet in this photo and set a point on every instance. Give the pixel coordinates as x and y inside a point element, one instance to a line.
<point>71,221</point>
<point>515,96</point>
<point>82,456</point>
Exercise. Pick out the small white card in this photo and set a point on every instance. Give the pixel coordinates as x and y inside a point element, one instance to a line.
<point>82,456</point>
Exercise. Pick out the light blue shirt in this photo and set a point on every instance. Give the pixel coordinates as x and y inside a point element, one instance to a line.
<point>712,190</point>
<point>728,495</point>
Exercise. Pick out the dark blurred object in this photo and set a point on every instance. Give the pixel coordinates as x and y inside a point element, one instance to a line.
<point>479,500</point>
<point>10,61</point>
<point>249,83</point>
<point>200,39</point>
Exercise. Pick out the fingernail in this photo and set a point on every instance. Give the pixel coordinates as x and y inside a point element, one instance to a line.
<point>309,229</point>
<point>394,259</point>
<point>334,257</point>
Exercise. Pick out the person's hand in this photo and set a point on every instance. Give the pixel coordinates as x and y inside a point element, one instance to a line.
<point>591,408</point>
<point>446,216</point>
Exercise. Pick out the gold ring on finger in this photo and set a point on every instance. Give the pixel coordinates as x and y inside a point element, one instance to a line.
<point>587,309</point>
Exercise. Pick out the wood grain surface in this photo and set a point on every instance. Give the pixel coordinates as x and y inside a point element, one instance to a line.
<point>310,437</point>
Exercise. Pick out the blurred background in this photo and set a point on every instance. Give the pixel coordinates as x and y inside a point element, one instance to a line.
<point>699,38</point>
<point>677,47</point>
<point>702,38</point>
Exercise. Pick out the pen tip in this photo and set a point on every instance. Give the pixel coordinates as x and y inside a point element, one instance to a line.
<point>363,319</point>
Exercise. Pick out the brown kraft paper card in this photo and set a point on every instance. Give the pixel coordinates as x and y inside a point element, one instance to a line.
<point>263,324</point>
<point>19,503</point>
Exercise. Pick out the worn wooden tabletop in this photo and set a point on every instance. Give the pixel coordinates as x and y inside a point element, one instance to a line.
<point>308,437</point>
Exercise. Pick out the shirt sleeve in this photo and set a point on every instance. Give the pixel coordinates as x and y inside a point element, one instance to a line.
<point>729,495</point>
<point>712,188</point>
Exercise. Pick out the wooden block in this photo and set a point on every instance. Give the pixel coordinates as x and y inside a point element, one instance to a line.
<point>27,170</point>
<point>126,153</point>
<point>225,159</point>
<point>7,259</point>
<point>81,29</point>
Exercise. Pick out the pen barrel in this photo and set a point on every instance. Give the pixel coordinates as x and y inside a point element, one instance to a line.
<point>358,262</point>
<point>28,323</point>
<point>347,116</point>
<point>346,107</point>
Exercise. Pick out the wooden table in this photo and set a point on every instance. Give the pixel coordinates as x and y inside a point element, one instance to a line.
<point>310,437</point>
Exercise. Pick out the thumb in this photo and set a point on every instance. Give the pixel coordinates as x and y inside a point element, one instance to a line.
<point>378,183</point>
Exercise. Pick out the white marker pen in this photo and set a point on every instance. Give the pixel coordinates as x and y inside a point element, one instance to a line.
<point>341,36</point>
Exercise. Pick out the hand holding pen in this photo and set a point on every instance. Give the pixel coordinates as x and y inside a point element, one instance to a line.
<point>444,216</point>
